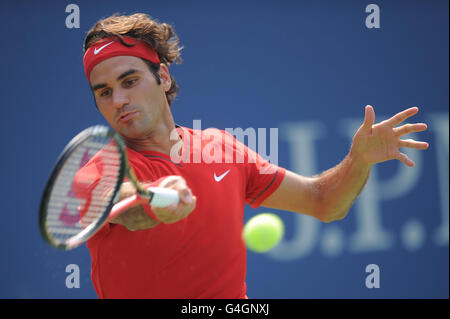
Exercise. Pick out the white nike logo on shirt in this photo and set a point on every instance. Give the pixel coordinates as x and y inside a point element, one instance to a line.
<point>96,51</point>
<point>219,178</point>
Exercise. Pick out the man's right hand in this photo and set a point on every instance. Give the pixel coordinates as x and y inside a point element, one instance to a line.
<point>176,212</point>
<point>136,218</point>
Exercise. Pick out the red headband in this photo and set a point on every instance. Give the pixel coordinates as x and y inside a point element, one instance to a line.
<point>110,47</point>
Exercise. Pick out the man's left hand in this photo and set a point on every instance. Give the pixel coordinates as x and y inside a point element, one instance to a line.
<point>381,142</point>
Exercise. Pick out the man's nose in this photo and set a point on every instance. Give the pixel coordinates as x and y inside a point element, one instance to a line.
<point>120,99</point>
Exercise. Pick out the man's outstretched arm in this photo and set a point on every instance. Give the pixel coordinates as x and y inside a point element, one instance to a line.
<point>330,195</point>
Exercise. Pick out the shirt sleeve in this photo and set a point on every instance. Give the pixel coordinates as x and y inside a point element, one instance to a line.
<point>263,177</point>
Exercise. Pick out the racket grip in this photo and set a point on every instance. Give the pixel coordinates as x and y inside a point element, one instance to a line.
<point>163,197</point>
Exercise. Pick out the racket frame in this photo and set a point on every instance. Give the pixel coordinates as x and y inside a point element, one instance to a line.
<point>124,169</point>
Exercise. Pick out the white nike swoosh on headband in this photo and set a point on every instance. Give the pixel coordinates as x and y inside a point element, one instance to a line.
<point>96,51</point>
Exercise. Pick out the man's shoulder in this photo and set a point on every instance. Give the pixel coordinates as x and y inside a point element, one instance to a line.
<point>208,133</point>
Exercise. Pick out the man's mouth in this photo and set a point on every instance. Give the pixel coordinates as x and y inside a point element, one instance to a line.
<point>127,116</point>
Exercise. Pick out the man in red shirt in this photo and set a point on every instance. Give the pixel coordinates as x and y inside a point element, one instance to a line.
<point>195,249</point>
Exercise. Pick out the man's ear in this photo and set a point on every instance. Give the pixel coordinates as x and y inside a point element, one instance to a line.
<point>164,75</point>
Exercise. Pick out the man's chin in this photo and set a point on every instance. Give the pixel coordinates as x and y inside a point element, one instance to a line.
<point>131,131</point>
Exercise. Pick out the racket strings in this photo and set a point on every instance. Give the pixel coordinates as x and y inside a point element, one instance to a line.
<point>83,189</point>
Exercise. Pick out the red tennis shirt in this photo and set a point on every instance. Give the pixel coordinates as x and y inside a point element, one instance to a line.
<point>203,255</point>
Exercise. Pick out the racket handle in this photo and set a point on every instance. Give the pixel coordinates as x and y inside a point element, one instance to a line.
<point>163,197</point>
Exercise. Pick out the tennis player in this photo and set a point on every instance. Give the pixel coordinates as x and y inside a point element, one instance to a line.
<point>195,249</point>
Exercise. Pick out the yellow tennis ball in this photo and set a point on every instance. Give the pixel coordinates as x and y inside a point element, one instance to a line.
<point>262,232</point>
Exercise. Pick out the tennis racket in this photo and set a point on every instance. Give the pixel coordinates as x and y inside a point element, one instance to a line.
<point>82,191</point>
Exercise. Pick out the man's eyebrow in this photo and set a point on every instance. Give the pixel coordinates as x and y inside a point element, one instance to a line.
<point>126,73</point>
<point>98,86</point>
<point>120,77</point>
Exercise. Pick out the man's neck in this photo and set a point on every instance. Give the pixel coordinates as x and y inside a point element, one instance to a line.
<point>161,139</point>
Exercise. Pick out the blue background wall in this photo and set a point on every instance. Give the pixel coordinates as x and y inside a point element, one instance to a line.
<point>307,68</point>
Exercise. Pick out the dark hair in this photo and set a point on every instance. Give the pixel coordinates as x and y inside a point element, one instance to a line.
<point>160,36</point>
<point>154,68</point>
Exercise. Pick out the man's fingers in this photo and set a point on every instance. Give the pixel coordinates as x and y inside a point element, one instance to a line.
<point>169,215</point>
<point>180,210</point>
<point>176,212</point>
<point>410,128</point>
<point>190,207</point>
<point>413,144</point>
<point>171,181</point>
<point>185,196</point>
<point>405,159</point>
<point>185,209</point>
<point>400,117</point>
<point>369,119</point>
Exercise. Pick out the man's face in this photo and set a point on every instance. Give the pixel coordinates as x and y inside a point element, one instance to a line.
<point>128,96</point>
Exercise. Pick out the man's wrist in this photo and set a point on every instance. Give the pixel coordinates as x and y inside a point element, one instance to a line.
<point>150,213</point>
<point>358,161</point>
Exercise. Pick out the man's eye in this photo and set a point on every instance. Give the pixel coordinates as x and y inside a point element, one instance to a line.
<point>105,93</point>
<point>131,82</point>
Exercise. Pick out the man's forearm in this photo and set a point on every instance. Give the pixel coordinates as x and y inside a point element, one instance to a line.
<point>340,186</point>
